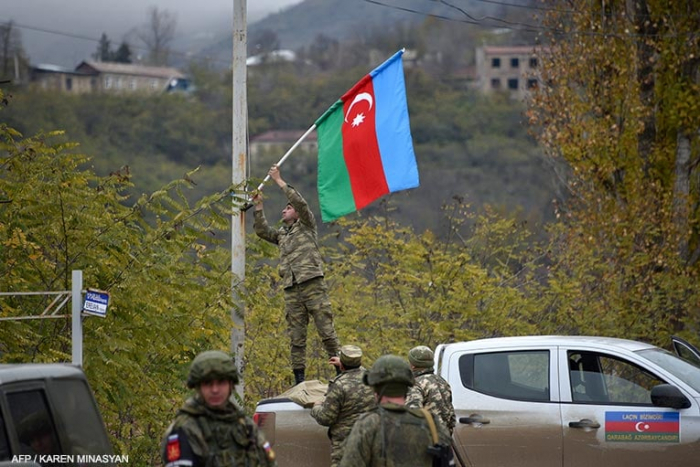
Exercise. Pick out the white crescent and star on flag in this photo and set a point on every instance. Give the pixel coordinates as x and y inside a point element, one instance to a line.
<point>641,427</point>
<point>359,118</point>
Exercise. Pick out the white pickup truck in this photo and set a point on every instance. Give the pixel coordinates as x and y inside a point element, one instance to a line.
<point>545,401</point>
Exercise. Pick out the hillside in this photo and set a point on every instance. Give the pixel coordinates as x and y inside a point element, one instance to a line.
<point>351,20</point>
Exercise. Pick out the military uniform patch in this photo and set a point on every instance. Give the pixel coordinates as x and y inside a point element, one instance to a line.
<point>173,451</point>
<point>268,450</point>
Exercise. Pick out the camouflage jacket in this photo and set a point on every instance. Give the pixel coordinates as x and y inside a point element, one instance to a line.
<point>214,438</point>
<point>434,393</point>
<point>346,399</point>
<point>300,259</point>
<point>392,436</point>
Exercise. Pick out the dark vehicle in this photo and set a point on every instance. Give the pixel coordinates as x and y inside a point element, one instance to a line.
<point>48,414</point>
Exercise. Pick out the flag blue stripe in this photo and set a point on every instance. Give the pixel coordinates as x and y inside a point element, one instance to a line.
<point>392,125</point>
<point>649,417</point>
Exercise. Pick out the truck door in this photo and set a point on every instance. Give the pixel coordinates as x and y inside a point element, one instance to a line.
<point>507,409</point>
<point>608,417</point>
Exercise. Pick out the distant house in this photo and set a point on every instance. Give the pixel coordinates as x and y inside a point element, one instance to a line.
<point>513,69</point>
<point>281,140</point>
<point>53,77</point>
<point>92,77</point>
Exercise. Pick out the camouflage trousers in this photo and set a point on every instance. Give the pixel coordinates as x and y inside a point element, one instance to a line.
<point>310,298</point>
<point>336,451</point>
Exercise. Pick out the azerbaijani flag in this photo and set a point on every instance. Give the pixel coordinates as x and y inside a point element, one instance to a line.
<point>365,148</point>
<point>642,426</point>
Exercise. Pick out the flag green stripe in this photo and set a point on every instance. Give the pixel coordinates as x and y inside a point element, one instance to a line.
<point>334,189</point>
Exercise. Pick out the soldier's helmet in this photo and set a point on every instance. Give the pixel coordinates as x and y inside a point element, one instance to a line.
<point>210,365</point>
<point>421,357</point>
<point>391,374</point>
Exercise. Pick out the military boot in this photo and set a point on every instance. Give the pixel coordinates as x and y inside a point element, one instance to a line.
<point>298,376</point>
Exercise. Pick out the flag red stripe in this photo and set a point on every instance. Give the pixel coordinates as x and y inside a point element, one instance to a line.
<point>631,427</point>
<point>360,146</point>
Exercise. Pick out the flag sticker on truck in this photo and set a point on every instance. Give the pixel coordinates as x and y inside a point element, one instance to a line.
<point>644,427</point>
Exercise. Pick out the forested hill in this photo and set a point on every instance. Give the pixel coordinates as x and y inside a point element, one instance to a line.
<point>467,146</point>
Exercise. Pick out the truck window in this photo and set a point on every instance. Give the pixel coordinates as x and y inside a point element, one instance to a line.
<point>84,430</point>
<point>509,375</point>
<point>601,378</point>
<point>4,443</point>
<point>35,428</point>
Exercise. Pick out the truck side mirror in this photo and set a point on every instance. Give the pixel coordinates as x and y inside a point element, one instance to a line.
<point>666,395</point>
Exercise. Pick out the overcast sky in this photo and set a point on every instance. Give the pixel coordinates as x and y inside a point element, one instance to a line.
<point>90,18</point>
<point>53,11</point>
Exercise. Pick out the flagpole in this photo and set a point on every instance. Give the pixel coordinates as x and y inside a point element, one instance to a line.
<point>287,154</point>
<point>281,161</point>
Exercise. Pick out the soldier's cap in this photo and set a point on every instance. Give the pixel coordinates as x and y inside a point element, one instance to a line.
<point>350,356</point>
<point>421,357</point>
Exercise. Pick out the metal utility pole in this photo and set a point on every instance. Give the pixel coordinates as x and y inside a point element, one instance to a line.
<point>77,318</point>
<point>239,152</point>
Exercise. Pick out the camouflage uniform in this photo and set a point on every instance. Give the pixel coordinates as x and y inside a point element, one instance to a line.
<point>392,436</point>
<point>432,392</point>
<point>204,437</point>
<point>221,436</point>
<point>301,270</point>
<point>346,399</point>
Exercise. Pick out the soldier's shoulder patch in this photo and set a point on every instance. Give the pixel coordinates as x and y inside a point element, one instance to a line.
<point>173,450</point>
<point>268,451</point>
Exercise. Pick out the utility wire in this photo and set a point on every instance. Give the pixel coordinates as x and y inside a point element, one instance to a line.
<point>92,39</point>
<point>516,26</point>
<point>529,7</point>
<point>557,10</point>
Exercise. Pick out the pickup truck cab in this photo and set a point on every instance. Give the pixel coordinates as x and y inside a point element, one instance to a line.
<point>561,401</point>
<point>545,401</point>
<point>48,414</point>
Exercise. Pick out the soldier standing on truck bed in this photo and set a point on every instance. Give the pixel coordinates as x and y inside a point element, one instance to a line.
<point>209,430</point>
<point>346,399</point>
<point>305,291</point>
<point>430,391</point>
<point>392,434</point>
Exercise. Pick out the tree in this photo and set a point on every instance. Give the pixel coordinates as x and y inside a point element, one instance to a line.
<point>620,104</point>
<point>157,34</point>
<point>170,284</point>
<point>104,50</point>
<point>324,52</point>
<point>264,42</point>
<point>123,53</point>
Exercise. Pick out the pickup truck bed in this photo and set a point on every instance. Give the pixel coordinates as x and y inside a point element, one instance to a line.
<point>298,444</point>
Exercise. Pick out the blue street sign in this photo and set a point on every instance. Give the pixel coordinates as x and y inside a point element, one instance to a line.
<point>96,302</point>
